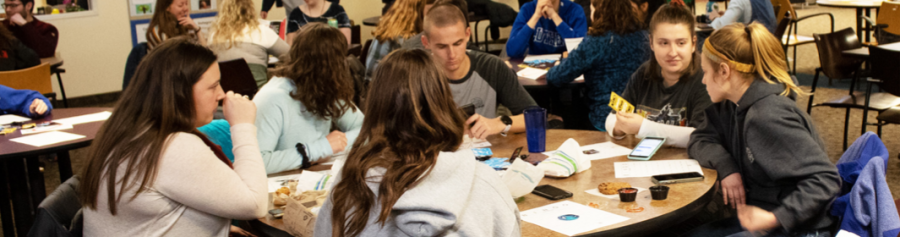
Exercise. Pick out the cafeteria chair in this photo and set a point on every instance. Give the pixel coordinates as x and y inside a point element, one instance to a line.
<point>134,58</point>
<point>792,38</point>
<point>833,63</point>
<point>236,76</point>
<point>35,78</point>
<point>59,215</point>
<point>887,29</point>
<point>886,74</point>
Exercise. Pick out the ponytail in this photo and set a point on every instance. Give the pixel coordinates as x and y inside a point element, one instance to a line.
<point>752,50</point>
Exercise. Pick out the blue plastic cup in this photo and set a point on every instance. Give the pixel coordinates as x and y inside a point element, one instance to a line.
<point>536,129</point>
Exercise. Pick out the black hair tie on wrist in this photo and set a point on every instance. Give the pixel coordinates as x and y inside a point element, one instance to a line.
<point>301,148</point>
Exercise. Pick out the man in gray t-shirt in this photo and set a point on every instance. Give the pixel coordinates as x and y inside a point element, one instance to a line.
<point>477,79</point>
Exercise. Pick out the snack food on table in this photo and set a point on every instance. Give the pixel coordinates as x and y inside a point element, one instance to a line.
<point>610,188</point>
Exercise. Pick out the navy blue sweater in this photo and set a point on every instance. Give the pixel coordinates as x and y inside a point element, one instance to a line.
<point>607,62</point>
<point>546,37</point>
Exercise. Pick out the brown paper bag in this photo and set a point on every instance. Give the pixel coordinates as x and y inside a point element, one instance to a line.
<point>298,220</point>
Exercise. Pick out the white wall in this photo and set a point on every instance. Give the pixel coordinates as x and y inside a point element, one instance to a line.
<point>94,49</point>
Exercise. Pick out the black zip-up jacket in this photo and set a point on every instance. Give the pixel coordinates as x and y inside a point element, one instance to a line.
<point>776,149</point>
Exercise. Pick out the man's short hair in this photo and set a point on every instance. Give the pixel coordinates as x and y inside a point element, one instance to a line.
<point>444,13</point>
<point>25,2</point>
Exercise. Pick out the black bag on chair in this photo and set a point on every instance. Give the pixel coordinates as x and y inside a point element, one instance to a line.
<point>60,213</point>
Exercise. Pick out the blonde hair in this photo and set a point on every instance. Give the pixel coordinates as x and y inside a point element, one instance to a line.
<point>751,50</point>
<point>404,19</point>
<point>234,17</point>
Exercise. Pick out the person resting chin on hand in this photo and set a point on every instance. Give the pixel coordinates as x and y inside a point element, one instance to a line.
<point>23,102</point>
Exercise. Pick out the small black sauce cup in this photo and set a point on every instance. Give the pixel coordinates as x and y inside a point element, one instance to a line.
<point>659,192</point>
<point>627,194</point>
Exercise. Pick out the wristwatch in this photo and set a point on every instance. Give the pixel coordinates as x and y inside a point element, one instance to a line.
<point>508,121</point>
<point>304,155</point>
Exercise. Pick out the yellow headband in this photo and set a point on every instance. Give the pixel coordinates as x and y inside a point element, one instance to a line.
<point>740,67</point>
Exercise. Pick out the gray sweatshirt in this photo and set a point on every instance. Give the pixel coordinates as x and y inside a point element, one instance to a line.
<point>777,150</point>
<point>459,197</point>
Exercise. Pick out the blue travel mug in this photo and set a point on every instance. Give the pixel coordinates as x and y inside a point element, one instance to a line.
<point>536,129</point>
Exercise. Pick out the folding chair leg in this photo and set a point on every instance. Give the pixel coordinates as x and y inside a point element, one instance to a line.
<point>63,90</point>
<point>846,127</point>
<point>865,115</point>
<point>794,69</point>
<point>813,92</point>
<point>879,128</point>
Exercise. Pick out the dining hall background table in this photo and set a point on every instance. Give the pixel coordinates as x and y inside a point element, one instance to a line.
<point>20,173</point>
<point>863,8</point>
<point>684,201</point>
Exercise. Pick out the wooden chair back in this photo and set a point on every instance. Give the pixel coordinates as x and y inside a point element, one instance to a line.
<point>831,57</point>
<point>783,7</point>
<point>35,78</point>
<point>237,77</point>
<point>886,66</point>
<point>889,15</point>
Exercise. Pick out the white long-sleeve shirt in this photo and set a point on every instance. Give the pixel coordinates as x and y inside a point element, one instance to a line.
<point>194,194</point>
<point>676,136</point>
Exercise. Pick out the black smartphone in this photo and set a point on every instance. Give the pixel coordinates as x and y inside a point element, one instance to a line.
<point>550,192</point>
<point>469,109</point>
<point>277,213</point>
<point>677,178</point>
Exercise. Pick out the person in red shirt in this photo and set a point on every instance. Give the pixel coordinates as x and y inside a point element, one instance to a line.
<point>37,35</point>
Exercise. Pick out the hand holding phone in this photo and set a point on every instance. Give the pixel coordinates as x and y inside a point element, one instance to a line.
<point>646,148</point>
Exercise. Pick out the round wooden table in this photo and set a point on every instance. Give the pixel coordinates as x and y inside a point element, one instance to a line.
<point>17,176</point>
<point>859,5</point>
<point>372,21</point>
<point>684,200</point>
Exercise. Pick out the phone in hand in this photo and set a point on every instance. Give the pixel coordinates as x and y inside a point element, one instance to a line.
<point>550,192</point>
<point>646,148</point>
<point>677,178</point>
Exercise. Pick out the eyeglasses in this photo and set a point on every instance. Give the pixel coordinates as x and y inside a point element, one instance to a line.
<point>14,5</point>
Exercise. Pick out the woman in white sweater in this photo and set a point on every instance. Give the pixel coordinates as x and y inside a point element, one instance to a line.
<point>404,175</point>
<point>151,173</point>
<point>239,33</point>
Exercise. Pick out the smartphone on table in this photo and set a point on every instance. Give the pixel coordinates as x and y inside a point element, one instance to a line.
<point>677,178</point>
<point>550,192</point>
<point>646,148</point>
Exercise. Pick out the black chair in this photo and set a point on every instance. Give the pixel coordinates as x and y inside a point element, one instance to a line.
<point>134,58</point>
<point>236,76</point>
<point>60,213</point>
<point>835,65</point>
<point>885,74</point>
<point>785,9</point>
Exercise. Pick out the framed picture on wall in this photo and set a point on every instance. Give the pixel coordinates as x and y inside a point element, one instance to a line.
<point>198,5</point>
<point>141,7</point>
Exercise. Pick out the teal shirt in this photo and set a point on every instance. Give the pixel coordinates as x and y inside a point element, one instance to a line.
<point>282,122</point>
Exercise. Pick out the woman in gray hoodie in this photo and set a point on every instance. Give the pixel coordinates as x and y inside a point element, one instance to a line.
<point>771,162</point>
<point>404,175</point>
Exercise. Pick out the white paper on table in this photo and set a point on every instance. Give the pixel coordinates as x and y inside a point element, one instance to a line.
<point>307,180</point>
<point>61,126</point>
<point>596,192</point>
<point>530,58</point>
<point>11,118</point>
<point>531,73</point>
<point>48,138</point>
<point>572,43</point>
<point>632,169</point>
<point>605,150</point>
<point>580,219</point>
<point>87,118</point>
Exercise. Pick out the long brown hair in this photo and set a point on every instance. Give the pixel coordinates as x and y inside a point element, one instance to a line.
<point>235,16</point>
<point>6,38</point>
<point>159,102</point>
<point>411,119</point>
<point>163,25</point>
<point>403,20</point>
<point>617,16</point>
<point>675,13</point>
<point>317,65</point>
<point>757,51</point>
